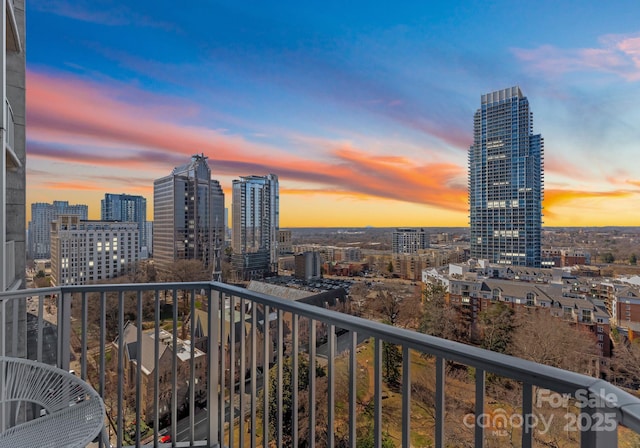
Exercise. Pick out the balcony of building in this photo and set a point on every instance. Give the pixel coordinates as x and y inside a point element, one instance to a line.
<point>13,41</point>
<point>164,385</point>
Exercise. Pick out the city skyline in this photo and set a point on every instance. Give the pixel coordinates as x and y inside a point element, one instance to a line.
<point>363,113</point>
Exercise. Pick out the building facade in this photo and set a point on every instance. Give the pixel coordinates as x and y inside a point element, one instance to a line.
<point>256,221</point>
<point>149,230</point>
<point>188,216</point>
<point>42,215</point>
<point>284,242</point>
<point>505,181</point>
<point>477,285</point>
<point>331,253</point>
<point>308,265</point>
<point>12,175</point>
<point>409,241</point>
<point>85,252</point>
<point>127,208</point>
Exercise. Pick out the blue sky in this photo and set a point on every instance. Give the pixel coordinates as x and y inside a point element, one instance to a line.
<point>364,110</point>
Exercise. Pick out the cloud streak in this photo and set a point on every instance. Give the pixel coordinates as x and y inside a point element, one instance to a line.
<point>617,54</point>
<point>554,198</point>
<point>80,123</point>
<point>74,122</point>
<point>120,16</point>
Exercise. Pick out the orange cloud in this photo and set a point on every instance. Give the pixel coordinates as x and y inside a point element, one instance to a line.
<point>635,183</point>
<point>72,186</point>
<point>438,184</point>
<point>554,198</point>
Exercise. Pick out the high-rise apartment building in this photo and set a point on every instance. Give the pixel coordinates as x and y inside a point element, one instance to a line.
<point>188,216</point>
<point>13,160</point>
<point>12,176</point>
<point>255,221</point>
<point>409,241</point>
<point>85,252</point>
<point>127,208</point>
<point>149,231</point>
<point>42,215</point>
<point>505,181</point>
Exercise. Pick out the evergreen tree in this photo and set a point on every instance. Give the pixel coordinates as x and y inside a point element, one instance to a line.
<point>391,362</point>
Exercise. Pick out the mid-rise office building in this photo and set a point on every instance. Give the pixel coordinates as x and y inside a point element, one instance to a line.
<point>256,221</point>
<point>505,181</point>
<point>188,216</point>
<point>42,215</point>
<point>308,265</point>
<point>85,252</point>
<point>127,208</point>
<point>284,242</point>
<point>409,241</point>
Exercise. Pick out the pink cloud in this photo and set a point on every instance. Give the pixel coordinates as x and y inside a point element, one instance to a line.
<point>617,54</point>
<point>559,165</point>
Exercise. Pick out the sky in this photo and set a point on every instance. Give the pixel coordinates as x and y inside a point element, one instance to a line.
<point>363,109</point>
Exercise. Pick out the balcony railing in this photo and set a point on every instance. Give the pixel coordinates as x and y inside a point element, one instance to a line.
<point>125,340</point>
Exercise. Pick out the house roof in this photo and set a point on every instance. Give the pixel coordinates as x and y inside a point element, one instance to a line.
<point>145,351</point>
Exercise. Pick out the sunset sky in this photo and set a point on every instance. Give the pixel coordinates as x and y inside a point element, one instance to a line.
<point>363,109</point>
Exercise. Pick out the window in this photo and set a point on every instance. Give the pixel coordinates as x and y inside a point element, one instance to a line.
<point>495,294</point>
<point>530,299</point>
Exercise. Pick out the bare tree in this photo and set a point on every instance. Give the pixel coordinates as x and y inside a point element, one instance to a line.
<point>552,341</point>
<point>439,317</point>
<point>624,368</point>
<point>358,297</point>
<point>183,271</point>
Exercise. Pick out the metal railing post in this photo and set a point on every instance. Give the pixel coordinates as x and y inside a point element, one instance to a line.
<point>480,388</point>
<point>598,424</point>
<point>440,404</point>
<point>212,370</point>
<point>406,397</point>
<point>64,330</point>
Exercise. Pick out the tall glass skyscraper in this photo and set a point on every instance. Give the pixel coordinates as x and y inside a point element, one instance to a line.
<point>256,221</point>
<point>188,215</point>
<point>506,181</point>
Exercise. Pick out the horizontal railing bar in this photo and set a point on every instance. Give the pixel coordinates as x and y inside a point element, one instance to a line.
<point>21,293</point>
